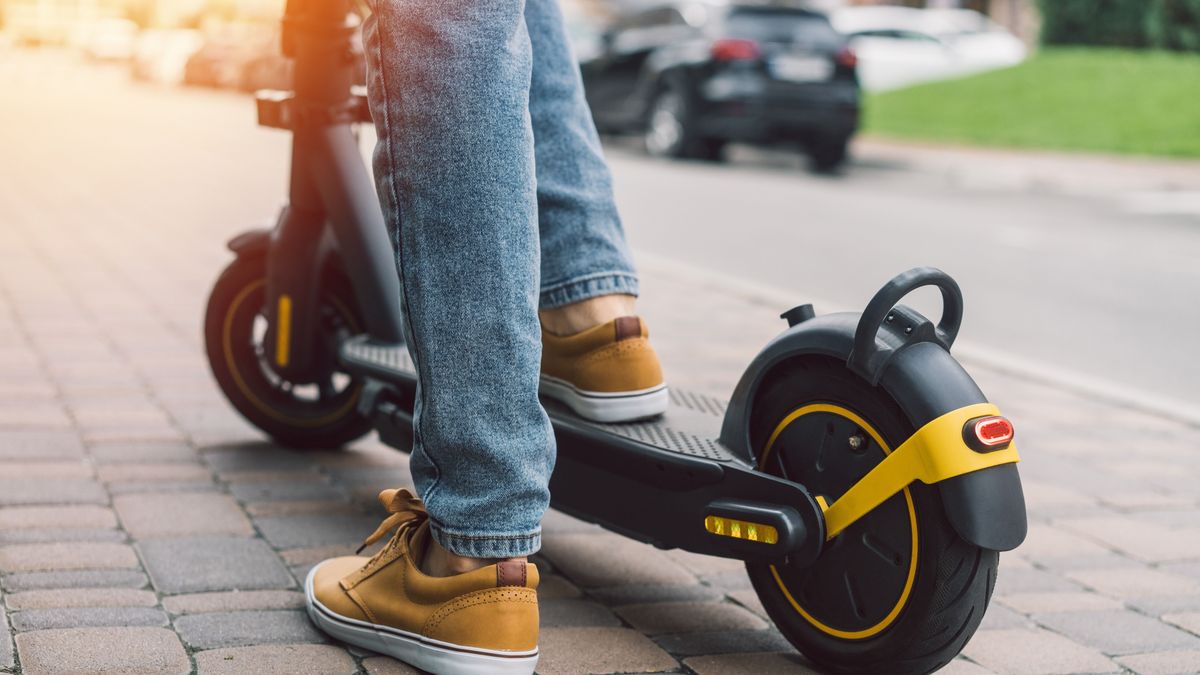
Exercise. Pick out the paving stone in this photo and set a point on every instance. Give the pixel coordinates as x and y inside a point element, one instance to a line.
<point>70,651</point>
<point>82,617</point>
<point>36,469</point>
<point>1034,652</point>
<point>7,653</point>
<point>588,650</point>
<point>276,660</point>
<point>308,556</point>
<point>126,452</point>
<point>39,445</point>
<point>635,594</point>
<point>1157,605</point>
<point>1189,621</point>
<point>961,666</point>
<point>1139,582</point>
<point>238,629</point>
<point>751,664</point>
<point>724,642</point>
<point>705,566</point>
<point>687,617</point>
<point>597,560</point>
<point>165,487</point>
<point>575,612</point>
<point>1081,601</point>
<point>316,530</point>
<point>749,600</point>
<point>37,517</point>
<point>65,556</point>
<point>212,564</point>
<point>1048,541</point>
<point>255,456</point>
<point>1118,632</point>
<point>299,507</point>
<point>1139,538</point>
<point>1163,663</point>
<point>285,491</point>
<point>157,473</point>
<point>382,665</point>
<point>48,491</point>
<point>51,536</point>
<point>310,476</point>
<point>25,581</point>
<point>999,616</point>
<point>81,597</point>
<point>1030,580</point>
<point>554,587</point>
<point>148,516</point>
<point>232,601</point>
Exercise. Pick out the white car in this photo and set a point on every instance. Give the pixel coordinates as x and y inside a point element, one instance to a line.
<point>161,54</point>
<point>900,46</point>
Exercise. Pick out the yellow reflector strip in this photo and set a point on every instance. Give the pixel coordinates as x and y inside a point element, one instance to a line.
<point>283,329</point>
<point>741,529</point>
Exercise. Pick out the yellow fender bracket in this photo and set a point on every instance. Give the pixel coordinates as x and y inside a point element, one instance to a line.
<point>934,453</point>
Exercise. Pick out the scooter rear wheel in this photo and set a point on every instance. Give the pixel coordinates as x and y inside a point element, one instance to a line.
<point>898,591</point>
<point>318,414</point>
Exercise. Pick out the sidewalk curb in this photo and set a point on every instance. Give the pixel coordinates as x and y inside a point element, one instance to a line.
<point>973,354</point>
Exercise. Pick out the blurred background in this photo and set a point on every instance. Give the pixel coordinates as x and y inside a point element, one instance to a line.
<point>1045,153</point>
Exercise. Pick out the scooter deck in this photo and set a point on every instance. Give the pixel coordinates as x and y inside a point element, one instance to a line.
<point>689,427</point>
<point>657,480</point>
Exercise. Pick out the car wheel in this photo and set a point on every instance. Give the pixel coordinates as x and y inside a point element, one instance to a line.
<point>670,130</point>
<point>666,126</point>
<point>827,154</point>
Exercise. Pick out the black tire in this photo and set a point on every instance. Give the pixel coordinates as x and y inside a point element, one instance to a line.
<point>308,416</point>
<point>828,154</point>
<point>670,129</point>
<point>867,573</point>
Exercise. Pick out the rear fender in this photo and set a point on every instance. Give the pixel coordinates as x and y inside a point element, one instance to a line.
<point>986,507</point>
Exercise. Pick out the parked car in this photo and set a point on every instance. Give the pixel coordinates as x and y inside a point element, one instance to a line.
<point>692,76</point>
<point>901,46</point>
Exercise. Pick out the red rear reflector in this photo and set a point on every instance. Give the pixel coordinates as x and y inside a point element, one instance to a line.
<point>734,49</point>
<point>988,433</point>
<point>846,57</point>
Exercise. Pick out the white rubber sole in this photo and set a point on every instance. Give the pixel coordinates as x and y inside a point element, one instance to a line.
<point>598,406</point>
<point>434,656</point>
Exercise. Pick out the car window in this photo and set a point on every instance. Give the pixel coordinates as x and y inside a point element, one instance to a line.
<point>910,35</point>
<point>655,18</point>
<point>778,25</point>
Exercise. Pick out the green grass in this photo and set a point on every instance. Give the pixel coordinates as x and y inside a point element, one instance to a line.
<point>1099,100</point>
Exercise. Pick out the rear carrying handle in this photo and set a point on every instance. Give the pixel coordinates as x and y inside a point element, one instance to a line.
<point>868,357</point>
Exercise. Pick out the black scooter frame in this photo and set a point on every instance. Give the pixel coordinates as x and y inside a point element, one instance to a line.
<point>632,487</point>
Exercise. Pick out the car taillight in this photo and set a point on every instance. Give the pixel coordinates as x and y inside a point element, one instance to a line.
<point>735,49</point>
<point>985,434</point>
<point>846,57</point>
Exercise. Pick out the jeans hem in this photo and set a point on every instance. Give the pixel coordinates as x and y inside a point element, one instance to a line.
<point>590,286</point>
<point>488,546</point>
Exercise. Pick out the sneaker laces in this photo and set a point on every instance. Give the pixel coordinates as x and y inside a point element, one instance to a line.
<point>407,511</point>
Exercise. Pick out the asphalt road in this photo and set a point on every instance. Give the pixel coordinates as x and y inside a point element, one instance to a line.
<point>1071,287</point>
<point>1067,286</point>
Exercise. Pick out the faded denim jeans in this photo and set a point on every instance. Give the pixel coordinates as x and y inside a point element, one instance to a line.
<point>499,202</point>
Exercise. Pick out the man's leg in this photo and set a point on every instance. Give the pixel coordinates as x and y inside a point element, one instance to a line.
<point>597,358</point>
<point>449,91</point>
<point>584,252</point>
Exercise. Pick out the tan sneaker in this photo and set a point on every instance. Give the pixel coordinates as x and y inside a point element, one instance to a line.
<point>609,373</point>
<point>481,622</point>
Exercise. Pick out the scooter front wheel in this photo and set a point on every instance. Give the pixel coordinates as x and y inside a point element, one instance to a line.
<point>898,591</point>
<point>321,413</point>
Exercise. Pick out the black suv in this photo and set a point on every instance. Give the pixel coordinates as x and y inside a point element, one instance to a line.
<point>692,76</point>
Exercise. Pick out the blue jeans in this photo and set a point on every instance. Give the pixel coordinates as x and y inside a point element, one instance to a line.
<point>491,178</point>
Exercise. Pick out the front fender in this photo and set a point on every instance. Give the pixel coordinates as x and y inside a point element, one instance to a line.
<point>985,507</point>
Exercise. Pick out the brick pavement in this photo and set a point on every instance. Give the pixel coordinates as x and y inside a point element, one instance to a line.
<point>145,527</point>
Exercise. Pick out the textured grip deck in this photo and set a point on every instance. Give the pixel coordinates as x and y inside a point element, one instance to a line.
<point>690,426</point>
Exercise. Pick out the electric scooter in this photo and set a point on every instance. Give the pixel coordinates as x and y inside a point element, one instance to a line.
<point>857,469</point>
